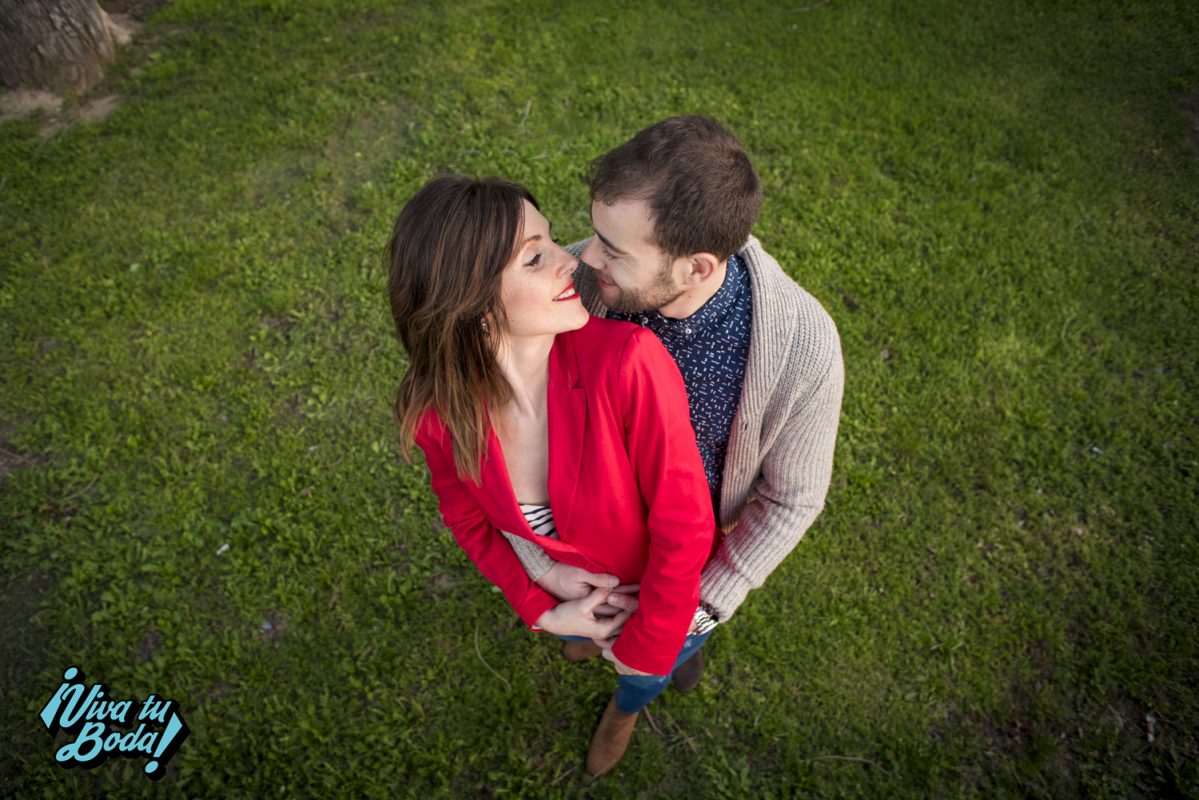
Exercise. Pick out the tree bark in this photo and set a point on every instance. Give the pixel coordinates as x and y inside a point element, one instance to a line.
<point>55,45</point>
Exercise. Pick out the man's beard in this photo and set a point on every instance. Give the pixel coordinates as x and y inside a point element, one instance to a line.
<point>650,298</point>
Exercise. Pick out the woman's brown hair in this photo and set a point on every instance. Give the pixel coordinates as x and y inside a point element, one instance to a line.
<point>445,260</point>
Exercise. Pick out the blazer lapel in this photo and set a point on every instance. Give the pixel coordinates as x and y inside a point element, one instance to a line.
<point>495,490</point>
<point>566,404</point>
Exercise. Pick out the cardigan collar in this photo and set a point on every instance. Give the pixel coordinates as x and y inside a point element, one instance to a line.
<point>772,329</point>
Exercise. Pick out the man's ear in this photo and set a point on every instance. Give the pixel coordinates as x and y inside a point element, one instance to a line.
<point>700,267</point>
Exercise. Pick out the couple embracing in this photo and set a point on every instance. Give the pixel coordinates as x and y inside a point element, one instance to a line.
<point>628,445</point>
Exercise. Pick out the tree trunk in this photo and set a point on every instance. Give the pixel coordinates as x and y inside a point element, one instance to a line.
<point>55,45</point>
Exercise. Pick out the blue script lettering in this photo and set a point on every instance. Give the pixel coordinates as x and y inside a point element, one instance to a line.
<point>154,710</point>
<point>91,736</point>
<point>112,710</point>
<point>95,742</point>
<point>76,710</point>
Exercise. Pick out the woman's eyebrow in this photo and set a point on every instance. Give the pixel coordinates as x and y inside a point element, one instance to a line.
<point>537,237</point>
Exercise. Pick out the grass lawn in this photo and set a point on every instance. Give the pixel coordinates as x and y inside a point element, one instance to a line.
<point>202,498</point>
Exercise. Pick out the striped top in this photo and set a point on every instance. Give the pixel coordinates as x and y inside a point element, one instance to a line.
<point>540,519</point>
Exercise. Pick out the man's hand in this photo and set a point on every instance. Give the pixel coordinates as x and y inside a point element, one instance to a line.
<point>571,583</point>
<point>578,617</point>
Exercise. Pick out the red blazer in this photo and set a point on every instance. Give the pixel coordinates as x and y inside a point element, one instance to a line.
<point>626,486</point>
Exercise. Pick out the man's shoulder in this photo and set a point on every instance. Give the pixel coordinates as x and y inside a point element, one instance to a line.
<point>783,311</point>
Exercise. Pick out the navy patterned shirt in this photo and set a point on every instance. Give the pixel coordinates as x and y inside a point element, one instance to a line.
<point>711,348</point>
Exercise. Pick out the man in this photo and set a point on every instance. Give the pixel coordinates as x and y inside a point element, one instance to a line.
<point>761,360</point>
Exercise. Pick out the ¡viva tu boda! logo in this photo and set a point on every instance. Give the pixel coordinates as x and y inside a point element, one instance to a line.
<point>84,714</point>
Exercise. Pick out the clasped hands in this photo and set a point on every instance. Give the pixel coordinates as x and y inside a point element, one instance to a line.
<point>594,605</point>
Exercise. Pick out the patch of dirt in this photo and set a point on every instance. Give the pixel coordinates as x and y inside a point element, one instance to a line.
<point>278,323</point>
<point>150,644</point>
<point>23,102</point>
<point>440,583</point>
<point>295,405</point>
<point>98,109</point>
<point>272,628</point>
<point>92,111</point>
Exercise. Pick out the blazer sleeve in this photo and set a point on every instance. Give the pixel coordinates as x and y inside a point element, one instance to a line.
<point>481,540</point>
<point>670,475</point>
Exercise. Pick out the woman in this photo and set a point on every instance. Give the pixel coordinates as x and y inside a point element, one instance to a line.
<point>527,408</point>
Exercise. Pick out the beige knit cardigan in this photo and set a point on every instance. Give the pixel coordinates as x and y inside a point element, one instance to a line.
<point>780,453</point>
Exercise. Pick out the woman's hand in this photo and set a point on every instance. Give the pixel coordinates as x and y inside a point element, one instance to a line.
<point>579,618</point>
<point>571,583</point>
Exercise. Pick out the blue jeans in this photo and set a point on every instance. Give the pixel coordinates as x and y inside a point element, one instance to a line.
<point>634,692</point>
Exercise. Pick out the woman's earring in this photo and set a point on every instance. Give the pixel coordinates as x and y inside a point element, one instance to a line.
<point>484,323</point>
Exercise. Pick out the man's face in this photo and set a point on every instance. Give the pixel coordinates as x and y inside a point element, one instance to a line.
<point>633,274</point>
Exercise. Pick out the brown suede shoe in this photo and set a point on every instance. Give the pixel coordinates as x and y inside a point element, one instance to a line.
<point>611,739</point>
<point>580,651</point>
<point>687,676</point>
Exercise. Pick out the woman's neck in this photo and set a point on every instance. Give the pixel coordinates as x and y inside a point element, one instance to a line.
<point>525,363</point>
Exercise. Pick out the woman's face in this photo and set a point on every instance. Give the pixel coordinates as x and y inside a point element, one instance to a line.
<point>536,288</point>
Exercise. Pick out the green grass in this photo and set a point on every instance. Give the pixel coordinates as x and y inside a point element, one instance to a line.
<point>997,203</point>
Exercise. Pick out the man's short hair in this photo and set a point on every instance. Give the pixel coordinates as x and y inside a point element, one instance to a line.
<point>695,177</point>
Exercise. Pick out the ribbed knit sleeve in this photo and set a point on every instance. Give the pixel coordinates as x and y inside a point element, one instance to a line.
<point>788,495</point>
<point>780,457</point>
<point>536,561</point>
